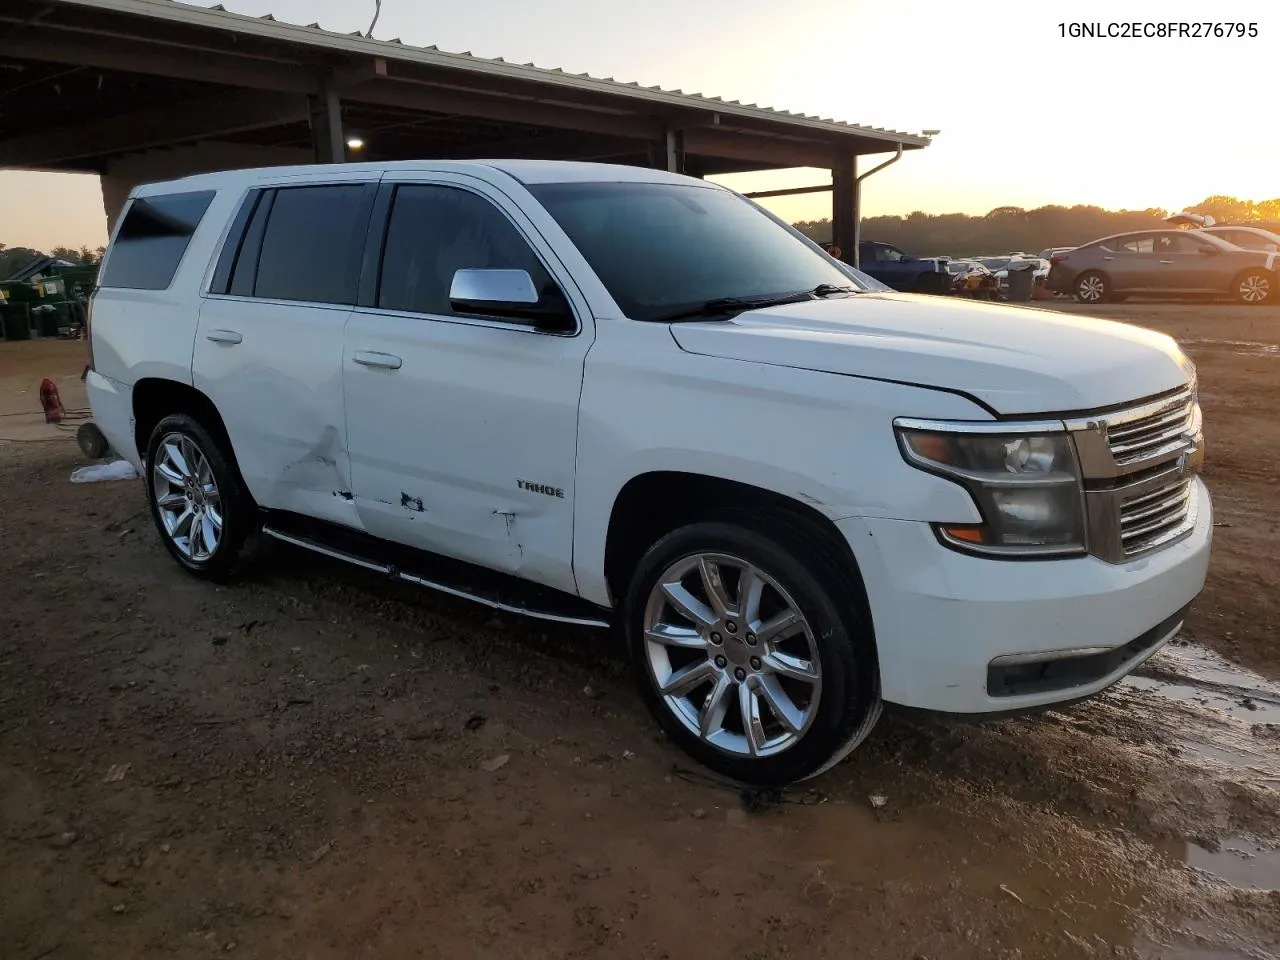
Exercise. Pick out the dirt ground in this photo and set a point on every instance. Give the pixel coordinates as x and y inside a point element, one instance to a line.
<point>313,763</point>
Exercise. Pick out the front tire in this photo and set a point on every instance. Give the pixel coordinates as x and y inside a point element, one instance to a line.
<point>198,501</point>
<point>1253,287</point>
<point>1093,288</point>
<point>757,663</point>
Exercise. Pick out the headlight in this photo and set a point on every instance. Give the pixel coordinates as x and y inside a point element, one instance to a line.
<point>1026,485</point>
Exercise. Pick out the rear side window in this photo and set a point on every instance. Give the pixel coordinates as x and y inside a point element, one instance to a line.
<point>153,239</point>
<point>312,244</point>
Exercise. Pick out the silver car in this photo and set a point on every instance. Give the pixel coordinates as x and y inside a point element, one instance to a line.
<point>1165,263</point>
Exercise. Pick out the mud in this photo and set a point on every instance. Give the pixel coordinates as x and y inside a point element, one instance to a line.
<point>309,762</point>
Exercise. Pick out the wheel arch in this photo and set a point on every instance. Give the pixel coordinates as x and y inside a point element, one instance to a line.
<point>652,504</point>
<point>155,398</point>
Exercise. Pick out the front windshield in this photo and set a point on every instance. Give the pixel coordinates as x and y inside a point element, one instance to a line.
<point>660,248</point>
<point>995,263</point>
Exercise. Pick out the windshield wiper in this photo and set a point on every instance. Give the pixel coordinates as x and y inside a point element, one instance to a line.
<point>832,289</point>
<point>727,305</point>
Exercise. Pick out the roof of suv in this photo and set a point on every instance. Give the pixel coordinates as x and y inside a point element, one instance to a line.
<point>526,171</point>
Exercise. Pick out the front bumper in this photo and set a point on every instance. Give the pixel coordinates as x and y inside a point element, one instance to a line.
<point>948,625</point>
<point>112,406</point>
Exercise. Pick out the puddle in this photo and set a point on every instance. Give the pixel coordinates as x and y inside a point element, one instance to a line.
<point>1240,862</point>
<point>1239,710</point>
<point>1251,348</point>
<point>1192,674</point>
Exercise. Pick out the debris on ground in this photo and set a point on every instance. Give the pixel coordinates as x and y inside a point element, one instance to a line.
<point>100,472</point>
<point>116,773</point>
<point>496,763</point>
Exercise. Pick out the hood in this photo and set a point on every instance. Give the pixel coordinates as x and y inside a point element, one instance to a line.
<point>1016,360</point>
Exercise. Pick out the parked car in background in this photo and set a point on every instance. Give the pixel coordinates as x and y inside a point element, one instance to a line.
<point>1164,263</point>
<point>1250,238</point>
<point>971,279</point>
<point>1050,252</point>
<point>602,395</point>
<point>904,271</point>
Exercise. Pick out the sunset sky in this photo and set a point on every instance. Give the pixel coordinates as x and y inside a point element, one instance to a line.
<point>1027,117</point>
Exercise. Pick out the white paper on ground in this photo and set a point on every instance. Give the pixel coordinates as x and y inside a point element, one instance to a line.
<point>115,470</point>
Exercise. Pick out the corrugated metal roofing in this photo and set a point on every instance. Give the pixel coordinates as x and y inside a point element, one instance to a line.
<point>313,34</point>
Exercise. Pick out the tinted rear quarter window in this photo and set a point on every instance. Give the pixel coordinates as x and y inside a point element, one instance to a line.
<point>152,240</point>
<point>312,244</point>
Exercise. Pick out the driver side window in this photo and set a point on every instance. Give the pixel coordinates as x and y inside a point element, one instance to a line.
<point>435,231</point>
<point>892,254</point>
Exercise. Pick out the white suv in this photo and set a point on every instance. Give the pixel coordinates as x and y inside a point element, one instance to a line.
<point>607,395</point>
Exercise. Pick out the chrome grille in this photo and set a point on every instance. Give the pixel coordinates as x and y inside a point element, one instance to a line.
<point>1153,519</point>
<point>1138,467</point>
<point>1149,431</point>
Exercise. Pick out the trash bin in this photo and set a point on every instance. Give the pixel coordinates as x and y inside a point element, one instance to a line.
<point>17,322</point>
<point>1022,278</point>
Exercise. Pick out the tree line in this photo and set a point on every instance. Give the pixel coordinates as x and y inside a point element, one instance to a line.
<point>1013,229</point>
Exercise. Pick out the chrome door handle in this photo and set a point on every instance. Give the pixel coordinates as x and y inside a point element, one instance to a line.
<point>1108,258</point>
<point>1166,261</point>
<point>223,336</point>
<point>371,358</point>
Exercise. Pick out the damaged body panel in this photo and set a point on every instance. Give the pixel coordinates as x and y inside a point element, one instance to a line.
<point>279,389</point>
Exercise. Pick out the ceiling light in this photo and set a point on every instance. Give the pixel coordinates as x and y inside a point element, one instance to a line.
<point>355,143</point>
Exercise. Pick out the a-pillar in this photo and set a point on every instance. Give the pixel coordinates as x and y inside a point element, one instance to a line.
<point>328,141</point>
<point>845,205</point>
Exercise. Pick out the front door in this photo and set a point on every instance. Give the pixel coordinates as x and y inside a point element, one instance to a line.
<point>1186,267</point>
<point>462,429</point>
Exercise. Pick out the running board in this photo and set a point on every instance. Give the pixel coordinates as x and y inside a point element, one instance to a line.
<point>546,604</point>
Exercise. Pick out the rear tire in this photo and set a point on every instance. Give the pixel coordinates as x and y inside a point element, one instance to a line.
<point>1092,287</point>
<point>749,700</point>
<point>199,503</point>
<point>1254,287</point>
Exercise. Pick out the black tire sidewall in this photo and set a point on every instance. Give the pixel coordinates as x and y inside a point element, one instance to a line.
<point>849,672</point>
<point>237,509</point>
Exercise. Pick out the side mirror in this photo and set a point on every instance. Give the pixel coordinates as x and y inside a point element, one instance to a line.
<point>509,295</point>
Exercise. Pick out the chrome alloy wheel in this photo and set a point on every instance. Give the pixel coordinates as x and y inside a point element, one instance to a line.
<point>187,497</point>
<point>1254,288</point>
<point>731,655</point>
<point>1092,288</point>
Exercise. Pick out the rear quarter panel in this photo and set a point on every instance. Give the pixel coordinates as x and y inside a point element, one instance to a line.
<point>138,334</point>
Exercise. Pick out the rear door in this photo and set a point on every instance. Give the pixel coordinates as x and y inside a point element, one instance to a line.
<point>1133,264</point>
<point>268,351</point>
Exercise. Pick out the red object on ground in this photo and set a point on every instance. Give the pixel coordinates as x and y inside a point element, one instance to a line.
<point>51,402</point>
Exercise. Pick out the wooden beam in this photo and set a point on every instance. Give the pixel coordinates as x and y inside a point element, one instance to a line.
<point>505,109</point>
<point>756,149</point>
<point>158,59</point>
<point>790,191</point>
<point>155,127</point>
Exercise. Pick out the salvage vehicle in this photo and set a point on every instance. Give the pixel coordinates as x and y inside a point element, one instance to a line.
<point>969,278</point>
<point>903,271</point>
<point>614,397</point>
<point>1165,263</point>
